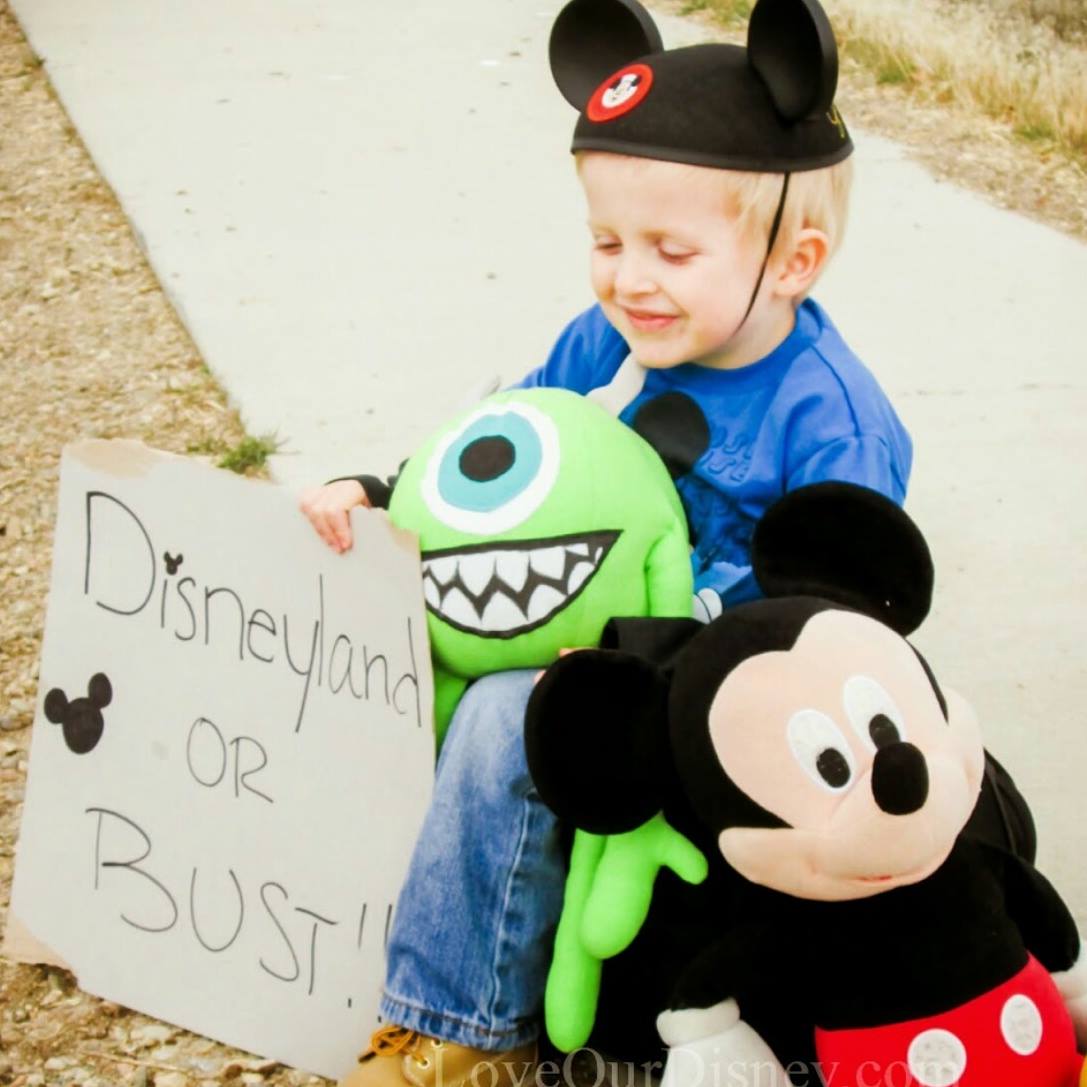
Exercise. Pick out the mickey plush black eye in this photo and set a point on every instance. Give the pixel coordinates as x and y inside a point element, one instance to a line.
<point>821,749</point>
<point>833,768</point>
<point>872,712</point>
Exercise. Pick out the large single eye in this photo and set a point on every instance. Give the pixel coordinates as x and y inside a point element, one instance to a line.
<point>872,712</point>
<point>493,472</point>
<point>821,749</point>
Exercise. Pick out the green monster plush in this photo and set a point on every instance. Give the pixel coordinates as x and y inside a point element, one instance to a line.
<point>540,517</point>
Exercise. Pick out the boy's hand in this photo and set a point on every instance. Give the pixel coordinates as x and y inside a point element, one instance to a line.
<point>327,507</point>
<point>562,653</point>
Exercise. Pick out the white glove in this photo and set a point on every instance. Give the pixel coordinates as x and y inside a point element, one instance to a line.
<point>706,606</point>
<point>1072,985</point>
<point>713,1046</point>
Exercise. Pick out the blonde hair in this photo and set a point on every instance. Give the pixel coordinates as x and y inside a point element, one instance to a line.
<point>816,198</point>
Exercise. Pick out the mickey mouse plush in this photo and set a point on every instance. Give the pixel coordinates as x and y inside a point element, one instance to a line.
<point>849,919</point>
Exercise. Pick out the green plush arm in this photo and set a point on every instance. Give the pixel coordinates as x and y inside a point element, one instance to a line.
<point>573,982</point>
<point>618,902</point>
<point>608,892</point>
<point>668,574</point>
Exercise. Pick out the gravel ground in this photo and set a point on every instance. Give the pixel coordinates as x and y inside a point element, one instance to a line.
<point>89,347</point>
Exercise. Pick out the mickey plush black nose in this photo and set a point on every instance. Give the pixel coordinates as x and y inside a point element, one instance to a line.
<point>899,779</point>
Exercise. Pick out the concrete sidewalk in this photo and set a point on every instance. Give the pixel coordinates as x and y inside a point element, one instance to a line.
<point>364,211</point>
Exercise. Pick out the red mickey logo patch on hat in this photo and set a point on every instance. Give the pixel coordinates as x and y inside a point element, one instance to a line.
<point>620,93</point>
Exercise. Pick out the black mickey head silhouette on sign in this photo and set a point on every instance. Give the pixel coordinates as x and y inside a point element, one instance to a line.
<point>81,719</point>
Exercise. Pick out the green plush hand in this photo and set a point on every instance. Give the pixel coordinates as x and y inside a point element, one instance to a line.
<point>618,901</point>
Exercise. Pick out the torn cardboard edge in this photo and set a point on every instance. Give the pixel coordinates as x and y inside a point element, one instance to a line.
<point>125,458</point>
<point>21,945</point>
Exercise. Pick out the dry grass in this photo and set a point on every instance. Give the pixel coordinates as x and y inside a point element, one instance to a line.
<point>1066,18</point>
<point>1022,62</point>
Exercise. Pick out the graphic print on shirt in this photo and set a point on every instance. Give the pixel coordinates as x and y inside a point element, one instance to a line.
<point>729,456</point>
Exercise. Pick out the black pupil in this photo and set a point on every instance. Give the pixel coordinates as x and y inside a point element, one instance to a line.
<point>832,767</point>
<point>883,730</point>
<point>487,458</point>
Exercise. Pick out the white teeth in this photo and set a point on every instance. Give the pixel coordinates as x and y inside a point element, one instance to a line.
<point>544,601</point>
<point>501,613</point>
<point>430,591</point>
<point>457,608</point>
<point>476,571</point>
<point>549,561</point>
<point>497,579</point>
<point>577,578</point>
<point>512,568</point>
<point>443,570</point>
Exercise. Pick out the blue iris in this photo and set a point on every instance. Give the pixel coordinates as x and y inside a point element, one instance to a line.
<point>490,463</point>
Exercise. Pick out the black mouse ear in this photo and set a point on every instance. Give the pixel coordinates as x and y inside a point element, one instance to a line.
<point>596,730</point>
<point>593,38</point>
<point>848,544</point>
<point>100,690</point>
<point>56,706</point>
<point>677,428</point>
<point>790,44</point>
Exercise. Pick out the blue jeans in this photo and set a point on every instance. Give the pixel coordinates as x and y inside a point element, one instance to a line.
<point>470,943</point>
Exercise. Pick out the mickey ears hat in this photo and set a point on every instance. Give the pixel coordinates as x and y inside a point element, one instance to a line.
<point>768,108</point>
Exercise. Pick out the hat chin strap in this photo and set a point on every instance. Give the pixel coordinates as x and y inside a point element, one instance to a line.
<point>630,377</point>
<point>774,228</point>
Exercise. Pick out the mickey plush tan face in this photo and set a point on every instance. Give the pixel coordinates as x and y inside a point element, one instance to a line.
<point>843,738</point>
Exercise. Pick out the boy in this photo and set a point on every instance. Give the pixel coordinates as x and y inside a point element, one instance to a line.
<point>716,180</point>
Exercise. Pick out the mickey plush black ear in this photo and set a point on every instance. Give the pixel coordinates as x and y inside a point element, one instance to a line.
<point>791,45</point>
<point>56,706</point>
<point>848,544</point>
<point>99,690</point>
<point>593,38</point>
<point>596,732</point>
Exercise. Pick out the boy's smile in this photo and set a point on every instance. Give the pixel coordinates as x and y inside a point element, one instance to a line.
<point>671,268</point>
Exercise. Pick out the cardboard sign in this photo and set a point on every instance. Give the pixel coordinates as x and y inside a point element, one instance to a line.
<point>231,757</point>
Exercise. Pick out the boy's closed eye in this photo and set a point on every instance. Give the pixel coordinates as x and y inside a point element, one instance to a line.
<point>669,251</point>
<point>675,254</point>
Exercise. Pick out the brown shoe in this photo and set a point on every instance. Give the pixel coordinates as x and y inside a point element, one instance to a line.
<point>398,1056</point>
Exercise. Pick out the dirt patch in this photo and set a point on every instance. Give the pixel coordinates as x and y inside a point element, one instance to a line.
<point>954,141</point>
<point>89,348</point>
<point>972,151</point>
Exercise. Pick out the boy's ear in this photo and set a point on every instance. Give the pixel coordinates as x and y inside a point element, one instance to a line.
<point>596,736</point>
<point>790,44</point>
<point>802,266</point>
<point>593,38</point>
<point>848,544</point>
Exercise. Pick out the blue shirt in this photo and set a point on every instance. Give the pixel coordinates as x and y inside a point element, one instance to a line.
<point>809,411</point>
